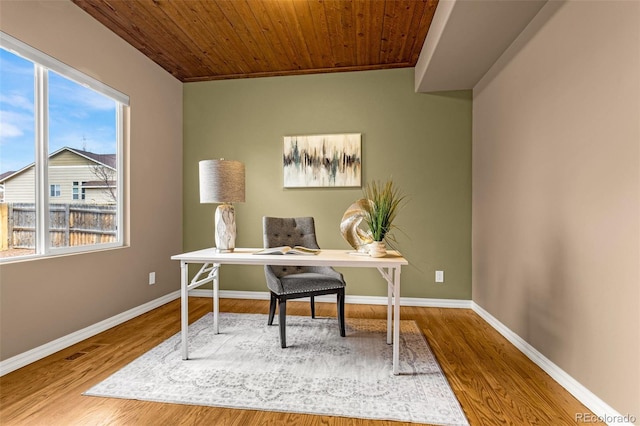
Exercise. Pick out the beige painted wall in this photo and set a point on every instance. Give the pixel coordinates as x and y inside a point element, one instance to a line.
<point>556,184</point>
<point>423,141</point>
<point>42,300</point>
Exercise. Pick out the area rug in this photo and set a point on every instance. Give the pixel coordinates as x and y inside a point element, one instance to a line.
<point>319,373</point>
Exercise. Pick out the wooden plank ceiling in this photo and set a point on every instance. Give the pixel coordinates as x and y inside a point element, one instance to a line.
<point>197,40</point>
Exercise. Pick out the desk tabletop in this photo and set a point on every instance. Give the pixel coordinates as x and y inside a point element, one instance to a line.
<point>326,257</point>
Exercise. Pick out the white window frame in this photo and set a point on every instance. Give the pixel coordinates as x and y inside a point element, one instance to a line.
<point>55,190</point>
<point>42,64</point>
<point>78,191</point>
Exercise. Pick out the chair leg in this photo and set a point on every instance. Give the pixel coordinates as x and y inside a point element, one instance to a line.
<point>313,306</point>
<point>272,309</point>
<point>282,319</point>
<point>340,308</point>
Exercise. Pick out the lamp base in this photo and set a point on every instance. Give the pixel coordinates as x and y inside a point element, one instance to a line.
<point>225,221</point>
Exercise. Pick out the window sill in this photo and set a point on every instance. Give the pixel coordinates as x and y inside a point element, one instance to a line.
<point>57,254</point>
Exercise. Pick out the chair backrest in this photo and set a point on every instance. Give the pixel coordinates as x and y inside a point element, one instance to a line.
<point>289,231</point>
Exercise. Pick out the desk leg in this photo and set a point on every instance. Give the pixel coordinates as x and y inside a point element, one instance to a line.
<point>216,297</point>
<point>184,298</point>
<point>389,311</point>
<point>396,321</point>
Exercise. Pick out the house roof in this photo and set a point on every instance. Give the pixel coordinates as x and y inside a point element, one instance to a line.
<point>104,159</point>
<point>107,160</point>
<point>6,174</point>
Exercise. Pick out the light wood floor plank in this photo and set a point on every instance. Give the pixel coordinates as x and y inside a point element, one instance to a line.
<point>494,382</point>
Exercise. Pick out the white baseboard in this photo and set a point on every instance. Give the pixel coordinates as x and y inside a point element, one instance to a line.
<point>601,409</point>
<point>35,354</point>
<point>356,300</point>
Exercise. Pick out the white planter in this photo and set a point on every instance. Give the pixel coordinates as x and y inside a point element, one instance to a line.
<point>377,249</point>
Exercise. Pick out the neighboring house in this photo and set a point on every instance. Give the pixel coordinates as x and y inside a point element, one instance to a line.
<point>75,176</point>
<point>2,176</point>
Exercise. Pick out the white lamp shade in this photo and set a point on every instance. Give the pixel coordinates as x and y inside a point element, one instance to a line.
<point>221,181</point>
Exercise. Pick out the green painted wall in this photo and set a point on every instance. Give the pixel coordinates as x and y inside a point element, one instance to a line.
<point>422,140</point>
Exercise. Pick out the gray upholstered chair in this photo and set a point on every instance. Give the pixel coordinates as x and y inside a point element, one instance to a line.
<point>294,282</point>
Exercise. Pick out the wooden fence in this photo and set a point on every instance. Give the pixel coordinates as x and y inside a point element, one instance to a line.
<point>69,225</point>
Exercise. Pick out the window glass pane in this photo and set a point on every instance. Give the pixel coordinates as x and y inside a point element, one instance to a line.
<point>55,191</point>
<point>82,149</point>
<point>17,156</point>
<point>60,137</point>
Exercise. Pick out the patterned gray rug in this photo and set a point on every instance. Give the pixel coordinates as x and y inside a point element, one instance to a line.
<point>319,373</point>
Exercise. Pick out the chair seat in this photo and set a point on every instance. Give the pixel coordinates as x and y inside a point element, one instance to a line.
<point>309,282</point>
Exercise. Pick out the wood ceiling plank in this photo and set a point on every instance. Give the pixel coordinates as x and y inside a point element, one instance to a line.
<point>341,32</point>
<point>116,20</point>
<point>198,40</point>
<point>170,52</point>
<point>187,19</point>
<point>313,29</point>
<point>360,29</point>
<point>389,30</point>
<point>220,28</point>
<point>397,37</point>
<point>268,18</point>
<point>374,19</point>
<point>249,35</point>
<point>139,26</point>
<point>293,50</point>
<point>419,33</point>
<point>290,28</point>
<point>412,28</point>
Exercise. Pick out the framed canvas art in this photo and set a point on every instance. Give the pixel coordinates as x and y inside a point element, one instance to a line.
<point>323,160</point>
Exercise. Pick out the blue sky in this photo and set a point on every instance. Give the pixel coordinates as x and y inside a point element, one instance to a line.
<point>78,117</point>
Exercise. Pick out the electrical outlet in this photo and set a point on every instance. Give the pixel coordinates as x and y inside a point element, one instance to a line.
<point>439,276</point>
<point>152,278</point>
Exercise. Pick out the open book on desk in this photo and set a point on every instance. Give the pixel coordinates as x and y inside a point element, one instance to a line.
<point>289,250</point>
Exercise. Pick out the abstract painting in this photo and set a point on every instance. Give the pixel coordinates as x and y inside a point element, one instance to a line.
<point>322,160</point>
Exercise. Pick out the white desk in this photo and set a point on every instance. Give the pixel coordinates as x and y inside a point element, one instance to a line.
<point>211,261</point>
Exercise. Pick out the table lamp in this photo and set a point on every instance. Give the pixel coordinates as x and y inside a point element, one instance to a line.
<point>222,181</point>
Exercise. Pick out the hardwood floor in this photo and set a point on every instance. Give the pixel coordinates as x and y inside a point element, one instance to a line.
<point>494,382</point>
